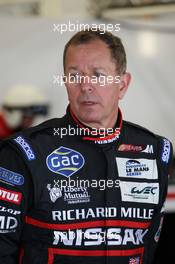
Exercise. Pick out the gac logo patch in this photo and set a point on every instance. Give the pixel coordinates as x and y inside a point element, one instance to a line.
<point>65,161</point>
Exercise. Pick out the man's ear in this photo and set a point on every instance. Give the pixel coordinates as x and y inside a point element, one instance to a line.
<point>125,80</point>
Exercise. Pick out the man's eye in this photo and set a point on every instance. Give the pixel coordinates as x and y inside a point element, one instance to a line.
<point>73,74</point>
<point>74,77</point>
<point>99,74</point>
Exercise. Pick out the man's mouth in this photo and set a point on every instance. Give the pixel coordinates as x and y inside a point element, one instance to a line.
<point>88,103</point>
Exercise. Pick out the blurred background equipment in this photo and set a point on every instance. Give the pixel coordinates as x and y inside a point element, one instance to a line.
<point>110,9</point>
<point>22,107</point>
<point>20,7</point>
<point>44,8</point>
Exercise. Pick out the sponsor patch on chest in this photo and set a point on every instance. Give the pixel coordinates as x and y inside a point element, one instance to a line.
<point>137,168</point>
<point>65,161</point>
<point>10,196</point>
<point>140,192</point>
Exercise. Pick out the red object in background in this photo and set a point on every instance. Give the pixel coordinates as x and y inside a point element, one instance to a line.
<point>5,131</point>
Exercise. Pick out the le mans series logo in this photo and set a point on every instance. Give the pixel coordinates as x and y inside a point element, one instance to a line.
<point>65,161</point>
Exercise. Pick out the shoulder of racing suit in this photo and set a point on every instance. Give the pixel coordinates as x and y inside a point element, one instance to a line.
<point>137,127</point>
<point>137,133</point>
<point>31,134</point>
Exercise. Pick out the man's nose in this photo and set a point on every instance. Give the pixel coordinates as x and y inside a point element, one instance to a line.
<point>86,84</point>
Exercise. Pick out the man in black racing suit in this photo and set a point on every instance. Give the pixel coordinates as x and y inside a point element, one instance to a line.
<point>71,192</point>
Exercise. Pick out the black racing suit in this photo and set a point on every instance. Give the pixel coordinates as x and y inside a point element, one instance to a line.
<point>82,197</point>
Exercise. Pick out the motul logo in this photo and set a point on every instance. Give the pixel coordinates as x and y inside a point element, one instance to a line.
<point>10,196</point>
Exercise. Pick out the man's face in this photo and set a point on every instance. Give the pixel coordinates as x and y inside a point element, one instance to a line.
<point>92,100</point>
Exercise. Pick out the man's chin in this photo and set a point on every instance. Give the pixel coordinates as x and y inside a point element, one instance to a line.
<point>89,119</point>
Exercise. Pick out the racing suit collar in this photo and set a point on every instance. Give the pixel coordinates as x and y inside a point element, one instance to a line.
<point>95,135</point>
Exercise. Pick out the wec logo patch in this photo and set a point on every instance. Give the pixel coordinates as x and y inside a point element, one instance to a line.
<point>145,190</point>
<point>65,161</point>
<point>140,192</point>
